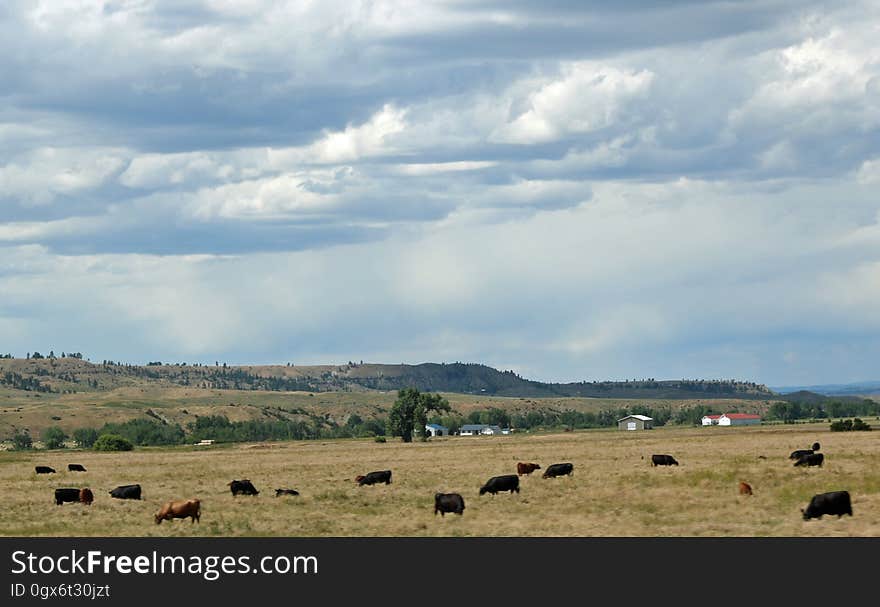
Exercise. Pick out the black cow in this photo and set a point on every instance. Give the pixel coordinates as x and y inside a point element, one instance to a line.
<point>811,459</point>
<point>816,446</point>
<point>44,470</point>
<point>663,460</point>
<point>558,470</point>
<point>448,502</point>
<point>243,486</point>
<point>66,495</point>
<point>127,492</point>
<point>75,468</point>
<point>799,453</point>
<point>833,502</point>
<point>379,476</point>
<point>286,492</point>
<point>506,482</point>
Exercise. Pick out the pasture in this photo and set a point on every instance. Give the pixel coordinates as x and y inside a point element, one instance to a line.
<point>613,491</point>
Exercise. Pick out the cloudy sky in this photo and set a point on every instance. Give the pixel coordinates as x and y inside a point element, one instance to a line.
<point>575,192</point>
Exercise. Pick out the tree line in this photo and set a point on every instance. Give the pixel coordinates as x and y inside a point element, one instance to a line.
<point>407,418</point>
<point>789,412</point>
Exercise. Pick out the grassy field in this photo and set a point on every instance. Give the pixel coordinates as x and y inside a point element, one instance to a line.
<point>35,411</point>
<point>614,491</point>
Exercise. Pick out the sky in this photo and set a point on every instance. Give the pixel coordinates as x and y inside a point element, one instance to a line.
<point>572,190</point>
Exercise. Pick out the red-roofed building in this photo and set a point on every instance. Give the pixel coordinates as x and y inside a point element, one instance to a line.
<point>732,419</point>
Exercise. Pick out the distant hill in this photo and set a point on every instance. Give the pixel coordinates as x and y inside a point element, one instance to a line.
<point>812,398</point>
<point>866,387</point>
<point>65,375</point>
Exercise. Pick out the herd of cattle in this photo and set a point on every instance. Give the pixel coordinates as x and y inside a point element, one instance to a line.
<point>831,503</point>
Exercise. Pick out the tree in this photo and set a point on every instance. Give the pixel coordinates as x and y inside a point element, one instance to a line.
<point>410,413</point>
<point>85,437</point>
<point>22,441</point>
<point>53,437</point>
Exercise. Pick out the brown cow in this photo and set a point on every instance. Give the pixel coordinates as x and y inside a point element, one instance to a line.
<point>526,468</point>
<point>179,509</point>
<point>86,497</point>
<point>745,488</point>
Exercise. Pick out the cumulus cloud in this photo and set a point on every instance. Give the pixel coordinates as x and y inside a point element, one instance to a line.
<point>577,190</point>
<point>42,175</point>
<point>587,97</point>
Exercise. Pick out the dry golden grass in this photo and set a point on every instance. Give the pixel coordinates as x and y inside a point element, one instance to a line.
<point>614,492</point>
<point>181,405</point>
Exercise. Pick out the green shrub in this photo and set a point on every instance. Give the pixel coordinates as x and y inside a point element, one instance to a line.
<point>146,432</point>
<point>112,442</point>
<point>379,439</point>
<point>849,425</point>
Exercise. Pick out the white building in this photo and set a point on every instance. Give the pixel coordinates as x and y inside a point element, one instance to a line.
<point>635,422</point>
<point>484,429</point>
<point>732,419</point>
<point>436,430</point>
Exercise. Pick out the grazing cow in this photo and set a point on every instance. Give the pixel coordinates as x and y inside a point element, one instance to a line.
<point>243,486</point>
<point>558,470</point>
<point>816,446</point>
<point>507,482</point>
<point>811,459</point>
<point>379,476</point>
<point>448,502</point>
<point>799,453</point>
<point>44,470</point>
<point>179,509</point>
<point>286,492</point>
<point>67,494</point>
<point>833,502</point>
<point>127,492</point>
<point>86,497</point>
<point>75,468</point>
<point>663,460</point>
<point>745,488</point>
<point>526,468</point>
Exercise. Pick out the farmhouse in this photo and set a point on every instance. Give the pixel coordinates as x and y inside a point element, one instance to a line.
<point>478,429</point>
<point>635,422</point>
<point>732,419</point>
<point>436,430</point>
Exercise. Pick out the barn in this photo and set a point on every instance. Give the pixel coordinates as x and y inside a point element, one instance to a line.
<point>436,430</point>
<point>710,420</point>
<point>739,419</point>
<point>635,422</point>
<point>732,419</point>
